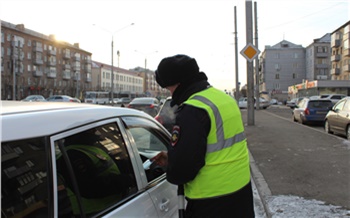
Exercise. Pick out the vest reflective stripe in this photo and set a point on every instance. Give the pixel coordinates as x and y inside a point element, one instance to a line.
<point>222,142</point>
<point>226,168</point>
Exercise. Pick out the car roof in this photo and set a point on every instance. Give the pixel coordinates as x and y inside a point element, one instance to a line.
<point>20,120</point>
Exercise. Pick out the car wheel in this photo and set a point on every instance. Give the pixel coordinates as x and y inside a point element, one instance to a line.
<point>348,132</point>
<point>327,127</point>
<point>302,121</point>
<point>295,120</point>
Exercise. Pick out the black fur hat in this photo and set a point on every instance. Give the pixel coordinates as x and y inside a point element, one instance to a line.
<point>176,69</point>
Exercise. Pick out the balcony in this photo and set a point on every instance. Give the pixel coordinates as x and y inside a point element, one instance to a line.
<point>66,67</point>
<point>335,58</point>
<point>75,58</point>
<point>76,77</point>
<point>18,71</point>
<point>38,73</point>
<point>321,66</point>
<point>51,52</point>
<point>335,71</point>
<point>51,63</point>
<point>335,43</point>
<point>66,75</point>
<point>51,73</point>
<point>38,61</point>
<point>66,55</point>
<point>88,70</point>
<point>87,61</point>
<point>88,77</point>
<point>346,52</point>
<point>37,49</point>
<point>322,55</point>
<point>76,67</point>
<point>346,68</point>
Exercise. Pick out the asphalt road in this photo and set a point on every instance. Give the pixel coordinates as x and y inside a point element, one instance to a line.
<point>298,160</point>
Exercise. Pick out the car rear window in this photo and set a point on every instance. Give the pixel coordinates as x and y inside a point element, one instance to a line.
<point>320,104</point>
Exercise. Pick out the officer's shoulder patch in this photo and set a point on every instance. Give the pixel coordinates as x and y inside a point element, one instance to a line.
<point>175,135</point>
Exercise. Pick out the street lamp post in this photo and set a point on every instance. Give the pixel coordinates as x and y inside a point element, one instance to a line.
<point>112,46</point>
<point>146,54</point>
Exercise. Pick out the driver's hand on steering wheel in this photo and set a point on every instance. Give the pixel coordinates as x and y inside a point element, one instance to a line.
<point>161,158</point>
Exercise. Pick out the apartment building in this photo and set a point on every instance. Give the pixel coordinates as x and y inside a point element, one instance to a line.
<point>151,87</point>
<point>318,56</point>
<point>340,58</point>
<point>125,82</point>
<point>281,66</point>
<point>338,78</point>
<point>33,63</point>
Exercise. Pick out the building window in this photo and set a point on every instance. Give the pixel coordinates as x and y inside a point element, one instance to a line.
<point>3,37</point>
<point>277,67</point>
<point>296,55</point>
<point>277,76</point>
<point>277,55</point>
<point>294,75</point>
<point>29,43</point>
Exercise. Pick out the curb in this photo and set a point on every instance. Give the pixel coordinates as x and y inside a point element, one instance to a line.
<point>261,186</point>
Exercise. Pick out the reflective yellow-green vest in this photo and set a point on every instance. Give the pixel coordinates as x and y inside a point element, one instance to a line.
<point>226,168</point>
<point>103,167</point>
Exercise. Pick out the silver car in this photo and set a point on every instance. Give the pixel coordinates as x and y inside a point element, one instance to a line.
<point>82,160</point>
<point>62,98</point>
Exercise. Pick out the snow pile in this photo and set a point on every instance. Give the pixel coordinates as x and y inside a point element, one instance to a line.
<point>293,206</point>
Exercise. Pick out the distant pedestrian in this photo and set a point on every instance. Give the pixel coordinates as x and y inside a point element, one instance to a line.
<point>208,151</point>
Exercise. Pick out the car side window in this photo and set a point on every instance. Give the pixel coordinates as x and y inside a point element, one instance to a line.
<point>340,105</point>
<point>149,141</point>
<point>24,186</point>
<point>347,105</point>
<point>94,171</point>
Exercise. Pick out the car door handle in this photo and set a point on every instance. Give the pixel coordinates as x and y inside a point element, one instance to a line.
<point>164,205</point>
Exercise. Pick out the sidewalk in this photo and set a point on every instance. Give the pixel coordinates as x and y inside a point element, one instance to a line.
<point>297,171</point>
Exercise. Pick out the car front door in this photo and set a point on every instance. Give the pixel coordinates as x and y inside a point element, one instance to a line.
<point>150,139</point>
<point>99,174</point>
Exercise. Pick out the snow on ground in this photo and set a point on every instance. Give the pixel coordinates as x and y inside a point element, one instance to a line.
<point>297,207</point>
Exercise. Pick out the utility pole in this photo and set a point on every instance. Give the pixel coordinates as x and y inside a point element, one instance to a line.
<point>250,77</point>
<point>257,90</point>
<point>236,58</point>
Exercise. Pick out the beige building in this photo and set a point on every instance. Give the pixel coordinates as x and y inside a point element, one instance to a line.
<point>340,58</point>
<point>33,63</point>
<point>126,83</point>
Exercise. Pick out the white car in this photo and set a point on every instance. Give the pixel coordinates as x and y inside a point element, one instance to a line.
<point>333,97</point>
<point>82,160</point>
<point>243,103</point>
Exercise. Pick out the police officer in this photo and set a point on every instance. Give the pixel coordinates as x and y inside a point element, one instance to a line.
<point>208,151</point>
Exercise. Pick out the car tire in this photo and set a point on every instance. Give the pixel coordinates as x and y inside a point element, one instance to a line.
<point>327,127</point>
<point>295,120</point>
<point>302,121</point>
<point>348,132</point>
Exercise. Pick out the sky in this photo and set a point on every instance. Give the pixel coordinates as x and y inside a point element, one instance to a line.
<point>202,29</point>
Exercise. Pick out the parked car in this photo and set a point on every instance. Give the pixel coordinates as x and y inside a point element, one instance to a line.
<point>273,102</point>
<point>311,110</point>
<point>338,119</point>
<point>243,103</point>
<point>123,102</point>
<point>82,160</point>
<point>149,105</point>
<point>62,98</point>
<point>166,115</point>
<point>333,97</point>
<point>34,98</point>
<point>293,102</point>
